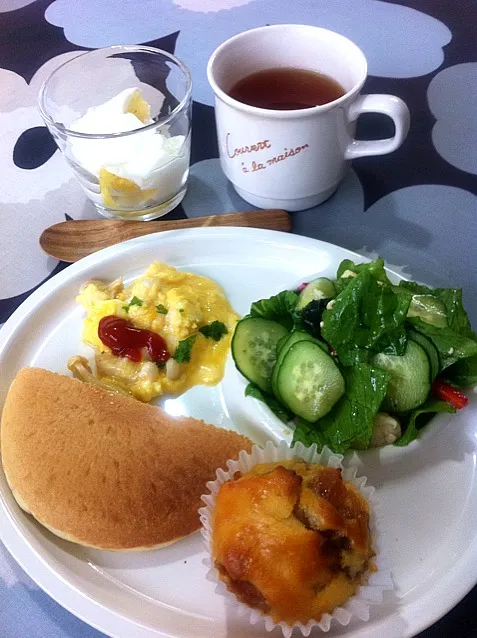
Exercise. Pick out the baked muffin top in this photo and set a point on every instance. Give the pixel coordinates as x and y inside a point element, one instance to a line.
<point>291,539</point>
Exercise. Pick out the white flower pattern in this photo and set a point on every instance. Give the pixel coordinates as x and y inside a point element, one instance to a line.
<point>212,6</point>
<point>452,100</point>
<point>11,5</point>
<point>33,198</point>
<point>390,35</point>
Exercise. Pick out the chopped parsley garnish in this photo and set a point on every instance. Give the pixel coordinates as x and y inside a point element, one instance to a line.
<point>181,309</point>
<point>134,302</point>
<point>215,330</point>
<point>162,310</point>
<point>184,349</point>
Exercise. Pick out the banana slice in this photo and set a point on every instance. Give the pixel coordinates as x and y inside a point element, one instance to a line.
<point>119,191</point>
<point>138,106</point>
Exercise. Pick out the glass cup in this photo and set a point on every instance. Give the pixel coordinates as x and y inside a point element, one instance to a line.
<point>131,155</point>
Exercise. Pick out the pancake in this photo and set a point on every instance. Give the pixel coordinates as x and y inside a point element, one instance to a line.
<point>105,470</point>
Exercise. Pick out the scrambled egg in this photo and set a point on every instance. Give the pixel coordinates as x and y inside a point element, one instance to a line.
<point>186,303</point>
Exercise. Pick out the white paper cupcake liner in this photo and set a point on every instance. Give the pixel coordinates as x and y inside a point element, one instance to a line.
<point>367,595</point>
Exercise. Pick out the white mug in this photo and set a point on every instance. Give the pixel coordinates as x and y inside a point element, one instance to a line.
<point>295,159</point>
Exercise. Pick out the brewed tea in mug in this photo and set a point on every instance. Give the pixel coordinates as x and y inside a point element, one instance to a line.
<point>286,89</point>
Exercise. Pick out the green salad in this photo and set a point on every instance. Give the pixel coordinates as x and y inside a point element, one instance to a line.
<point>357,362</point>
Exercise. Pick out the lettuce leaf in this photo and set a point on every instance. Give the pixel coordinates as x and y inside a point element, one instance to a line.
<point>375,268</point>
<point>275,406</point>
<point>309,433</point>
<point>366,317</point>
<point>279,308</point>
<point>393,342</point>
<point>463,373</point>
<point>418,418</point>
<point>350,421</point>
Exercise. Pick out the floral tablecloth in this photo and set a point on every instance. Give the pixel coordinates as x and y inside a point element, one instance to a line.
<point>417,207</point>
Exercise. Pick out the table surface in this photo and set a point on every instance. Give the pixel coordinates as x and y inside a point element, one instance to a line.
<point>417,207</point>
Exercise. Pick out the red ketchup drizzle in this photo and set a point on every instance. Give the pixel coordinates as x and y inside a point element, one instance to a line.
<point>125,340</point>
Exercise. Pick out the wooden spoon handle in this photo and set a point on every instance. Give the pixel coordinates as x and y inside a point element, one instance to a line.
<point>72,240</point>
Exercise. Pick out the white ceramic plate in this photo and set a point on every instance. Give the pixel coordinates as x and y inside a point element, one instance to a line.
<point>429,489</point>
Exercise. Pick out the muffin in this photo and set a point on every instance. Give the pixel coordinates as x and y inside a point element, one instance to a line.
<point>291,539</point>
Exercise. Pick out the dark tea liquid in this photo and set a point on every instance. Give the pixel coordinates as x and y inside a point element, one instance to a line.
<point>285,89</point>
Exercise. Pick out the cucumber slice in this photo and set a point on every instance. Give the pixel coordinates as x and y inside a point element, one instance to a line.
<point>429,309</point>
<point>321,288</point>
<point>294,337</point>
<point>280,343</point>
<point>254,349</point>
<point>309,381</point>
<point>431,351</point>
<point>409,378</point>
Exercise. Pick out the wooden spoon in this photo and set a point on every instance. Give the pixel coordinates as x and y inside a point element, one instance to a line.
<point>72,240</point>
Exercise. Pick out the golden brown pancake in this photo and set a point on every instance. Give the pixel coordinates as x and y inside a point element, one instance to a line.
<point>105,470</point>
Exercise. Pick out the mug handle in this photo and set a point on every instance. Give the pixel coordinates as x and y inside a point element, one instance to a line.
<point>390,105</point>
